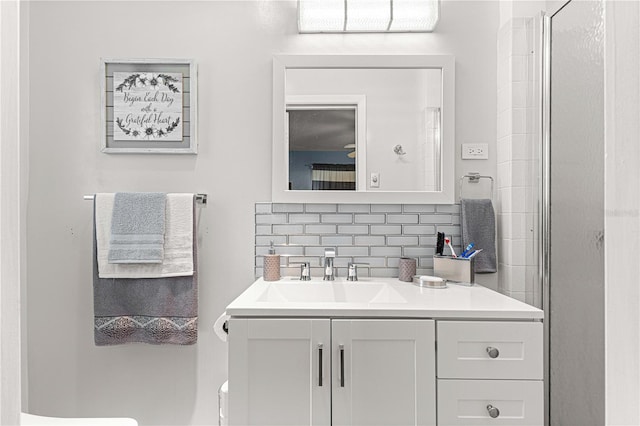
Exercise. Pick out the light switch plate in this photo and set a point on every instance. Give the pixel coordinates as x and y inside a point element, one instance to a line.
<point>475,151</point>
<point>374,180</point>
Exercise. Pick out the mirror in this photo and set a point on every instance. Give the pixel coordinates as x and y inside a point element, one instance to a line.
<point>363,128</point>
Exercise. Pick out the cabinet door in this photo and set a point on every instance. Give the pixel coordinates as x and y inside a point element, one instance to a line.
<point>279,372</point>
<point>383,372</point>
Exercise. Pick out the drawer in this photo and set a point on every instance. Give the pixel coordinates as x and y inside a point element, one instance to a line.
<point>473,402</point>
<point>490,350</point>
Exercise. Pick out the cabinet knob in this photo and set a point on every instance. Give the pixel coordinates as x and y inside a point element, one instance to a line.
<point>493,352</point>
<point>493,411</point>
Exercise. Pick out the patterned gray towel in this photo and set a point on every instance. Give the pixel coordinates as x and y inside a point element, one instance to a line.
<point>478,224</point>
<point>146,310</point>
<point>137,227</point>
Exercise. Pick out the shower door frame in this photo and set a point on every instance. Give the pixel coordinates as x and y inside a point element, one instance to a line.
<point>544,195</point>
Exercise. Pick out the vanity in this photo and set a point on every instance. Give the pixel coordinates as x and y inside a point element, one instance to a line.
<point>383,352</point>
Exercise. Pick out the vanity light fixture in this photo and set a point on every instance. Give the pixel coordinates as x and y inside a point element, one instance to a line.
<point>367,16</point>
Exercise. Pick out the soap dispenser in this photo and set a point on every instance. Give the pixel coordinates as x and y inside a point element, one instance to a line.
<point>271,265</point>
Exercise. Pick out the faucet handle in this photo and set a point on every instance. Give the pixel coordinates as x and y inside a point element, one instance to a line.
<point>329,252</point>
<point>305,270</point>
<point>352,275</point>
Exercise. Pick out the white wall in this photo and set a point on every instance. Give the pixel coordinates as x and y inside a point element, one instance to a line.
<point>11,212</point>
<point>622,212</point>
<point>233,43</point>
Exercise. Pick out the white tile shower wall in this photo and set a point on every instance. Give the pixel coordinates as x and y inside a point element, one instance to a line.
<point>377,234</point>
<point>517,159</point>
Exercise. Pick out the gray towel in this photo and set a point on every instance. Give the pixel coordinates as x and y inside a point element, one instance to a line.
<point>478,224</point>
<point>137,228</point>
<point>147,310</point>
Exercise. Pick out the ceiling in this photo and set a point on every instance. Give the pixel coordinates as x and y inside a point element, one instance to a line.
<point>321,129</point>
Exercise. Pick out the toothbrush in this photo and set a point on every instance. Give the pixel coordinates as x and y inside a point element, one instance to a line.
<point>447,241</point>
<point>466,251</point>
<point>472,255</point>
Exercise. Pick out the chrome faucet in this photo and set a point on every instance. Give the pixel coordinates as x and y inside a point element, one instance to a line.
<point>352,275</point>
<point>329,271</point>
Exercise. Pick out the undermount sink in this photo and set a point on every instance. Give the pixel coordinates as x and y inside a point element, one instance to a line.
<point>331,292</point>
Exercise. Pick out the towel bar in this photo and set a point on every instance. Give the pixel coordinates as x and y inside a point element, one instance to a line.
<point>200,198</point>
<point>474,178</point>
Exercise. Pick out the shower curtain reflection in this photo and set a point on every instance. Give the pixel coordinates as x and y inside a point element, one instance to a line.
<point>338,177</point>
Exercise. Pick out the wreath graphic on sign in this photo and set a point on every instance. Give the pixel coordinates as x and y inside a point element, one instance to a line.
<point>153,80</point>
<point>149,131</point>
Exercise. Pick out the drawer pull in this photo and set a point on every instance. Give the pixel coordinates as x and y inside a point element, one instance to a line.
<point>493,411</point>
<point>341,347</point>
<point>493,352</point>
<point>320,364</point>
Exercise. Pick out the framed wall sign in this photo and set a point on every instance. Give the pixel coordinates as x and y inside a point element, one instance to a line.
<point>149,106</point>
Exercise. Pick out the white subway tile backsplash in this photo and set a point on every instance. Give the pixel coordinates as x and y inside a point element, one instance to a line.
<point>336,240</point>
<point>314,251</point>
<point>386,251</point>
<point>370,218</point>
<point>353,251</point>
<point>304,218</point>
<point>263,230</point>
<point>386,229</point>
<point>419,229</point>
<point>402,241</point>
<point>425,240</point>
<point>378,234</point>
<point>263,208</point>
<point>265,240</point>
<point>386,208</point>
<point>287,208</point>
<point>403,218</point>
<point>354,208</point>
<point>288,229</point>
<point>436,218</point>
<point>270,219</point>
<point>353,229</point>
<point>418,251</point>
<point>321,229</point>
<point>373,262</point>
<point>448,208</point>
<point>337,218</point>
<point>418,208</point>
<point>370,240</point>
<point>449,229</point>
<point>321,208</point>
<point>305,240</point>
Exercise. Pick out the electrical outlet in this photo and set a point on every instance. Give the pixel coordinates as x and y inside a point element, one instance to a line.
<point>374,180</point>
<point>475,151</point>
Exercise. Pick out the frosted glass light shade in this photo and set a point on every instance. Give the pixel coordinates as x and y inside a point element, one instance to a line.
<point>338,16</point>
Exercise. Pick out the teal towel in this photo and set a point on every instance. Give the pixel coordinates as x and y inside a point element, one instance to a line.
<point>137,228</point>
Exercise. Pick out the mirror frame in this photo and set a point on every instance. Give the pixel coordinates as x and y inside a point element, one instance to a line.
<point>280,153</point>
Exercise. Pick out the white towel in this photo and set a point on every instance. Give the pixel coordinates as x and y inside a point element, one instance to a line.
<point>178,240</point>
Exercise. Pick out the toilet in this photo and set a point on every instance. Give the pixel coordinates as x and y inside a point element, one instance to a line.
<point>34,420</point>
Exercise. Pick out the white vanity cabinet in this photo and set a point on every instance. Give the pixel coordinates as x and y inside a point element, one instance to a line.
<point>299,371</point>
<point>383,352</point>
<point>490,373</point>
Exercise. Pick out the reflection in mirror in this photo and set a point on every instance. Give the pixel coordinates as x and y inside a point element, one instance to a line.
<point>322,147</point>
<point>403,107</point>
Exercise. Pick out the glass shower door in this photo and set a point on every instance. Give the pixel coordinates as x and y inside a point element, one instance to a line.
<point>575,270</point>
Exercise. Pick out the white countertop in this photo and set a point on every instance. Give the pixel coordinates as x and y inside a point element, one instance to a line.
<point>376,297</point>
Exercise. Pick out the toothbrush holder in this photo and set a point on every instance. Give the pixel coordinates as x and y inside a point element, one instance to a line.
<point>456,269</point>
